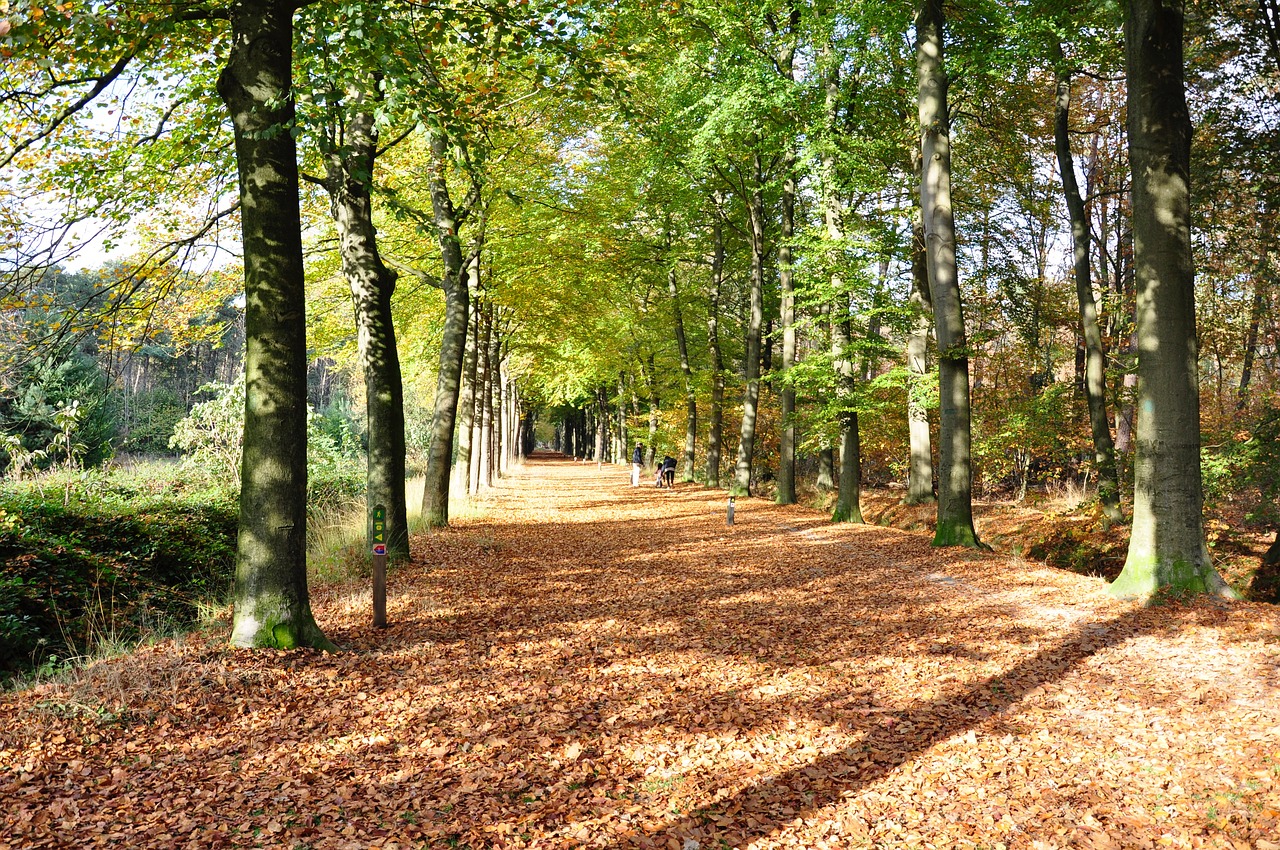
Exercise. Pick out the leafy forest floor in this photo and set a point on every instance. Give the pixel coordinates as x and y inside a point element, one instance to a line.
<point>580,663</point>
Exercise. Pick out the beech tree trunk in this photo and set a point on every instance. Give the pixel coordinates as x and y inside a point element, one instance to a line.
<point>920,470</point>
<point>482,478</point>
<point>1095,383</point>
<point>955,479</point>
<point>651,385</point>
<point>690,396</point>
<point>833,218</point>
<point>825,480</point>
<point>453,342</point>
<point>786,481</point>
<point>602,417</point>
<point>493,407</point>
<point>755,324</point>
<point>786,492</point>
<point>1256,309</point>
<point>1167,550</point>
<point>347,180</point>
<point>467,402</point>
<point>271,604</point>
<point>849,495</point>
<point>715,425</point>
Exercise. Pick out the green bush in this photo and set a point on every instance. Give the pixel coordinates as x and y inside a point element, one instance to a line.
<point>150,420</point>
<point>46,388</point>
<point>107,567</point>
<point>211,436</point>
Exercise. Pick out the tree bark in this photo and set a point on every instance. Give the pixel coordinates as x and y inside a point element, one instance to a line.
<point>755,324</point>
<point>825,480</point>
<point>349,172</point>
<point>920,470</point>
<point>620,436</point>
<point>272,606</point>
<point>602,417</point>
<point>1167,550</point>
<point>467,403</point>
<point>833,218</point>
<point>849,495</point>
<point>690,396</point>
<point>480,477</point>
<point>715,425</point>
<point>1256,309</point>
<point>651,384</point>
<point>493,407</point>
<point>1095,383</point>
<point>955,485</point>
<point>786,492</point>
<point>435,492</point>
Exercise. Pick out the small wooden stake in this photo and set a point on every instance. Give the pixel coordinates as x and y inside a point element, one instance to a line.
<point>379,567</point>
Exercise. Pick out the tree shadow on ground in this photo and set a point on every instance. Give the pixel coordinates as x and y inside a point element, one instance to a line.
<point>888,740</point>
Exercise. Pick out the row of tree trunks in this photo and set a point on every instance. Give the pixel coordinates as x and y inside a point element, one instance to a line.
<point>491,413</point>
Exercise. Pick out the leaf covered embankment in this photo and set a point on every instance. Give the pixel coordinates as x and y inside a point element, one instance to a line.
<point>1078,538</point>
<point>590,665</point>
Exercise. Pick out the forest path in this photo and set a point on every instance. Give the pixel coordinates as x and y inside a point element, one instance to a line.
<point>582,663</point>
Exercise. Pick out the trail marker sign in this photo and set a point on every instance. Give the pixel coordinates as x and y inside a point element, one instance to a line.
<point>379,540</point>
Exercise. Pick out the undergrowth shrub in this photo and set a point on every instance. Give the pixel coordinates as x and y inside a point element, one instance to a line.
<point>110,568</point>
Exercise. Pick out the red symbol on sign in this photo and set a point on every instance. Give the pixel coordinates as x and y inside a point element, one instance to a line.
<point>380,549</point>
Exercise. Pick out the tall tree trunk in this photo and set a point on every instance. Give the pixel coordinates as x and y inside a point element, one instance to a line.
<point>786,480</point>
<point>755,324</point>
<point>715,425</point>
<point>920,470</point>
<point>786,492</point>
<point>955,479</point>
<point>467,403</point>
<point>272,606</point>
<point>602,417</point>
<point>833,218</point>
<point>493,407</point>
<point>1095,382</point>
<point>620,436</point>
<point>690,396</point>
<point>435,492</point>
<point>1256,309</point>
<point>848,500</point>
<point>651,384</point>
<point>348,176</point>
<point>481,477</point>
<point>1166,545</point>
<point>825,480</point>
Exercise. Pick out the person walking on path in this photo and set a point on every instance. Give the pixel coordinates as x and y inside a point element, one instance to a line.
<point>637,461</point>
<point>669,470</point>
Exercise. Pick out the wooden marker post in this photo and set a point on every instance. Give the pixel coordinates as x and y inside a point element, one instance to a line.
<point>379,567</point>
<point>728,519</point>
